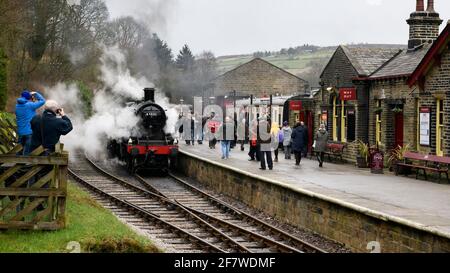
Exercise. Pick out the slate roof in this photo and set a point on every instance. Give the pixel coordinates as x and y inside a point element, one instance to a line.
<point>430,58</point>
<point>403,64</point>
<point>263,61</point>
<point>367,60</point>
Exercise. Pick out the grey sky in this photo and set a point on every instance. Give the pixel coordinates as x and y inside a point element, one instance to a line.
<point>245,26</point>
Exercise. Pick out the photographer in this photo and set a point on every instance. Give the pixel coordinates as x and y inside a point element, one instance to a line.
<point>48,128</point>
<point>26,108</point>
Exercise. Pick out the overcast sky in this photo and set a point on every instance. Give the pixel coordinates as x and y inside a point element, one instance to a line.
<point>245,26</point>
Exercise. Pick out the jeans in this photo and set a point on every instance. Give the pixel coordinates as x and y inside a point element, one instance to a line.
<point>226,146</point>
<point>25,141</point>
<point>287,152</point>
<point>266,155</point>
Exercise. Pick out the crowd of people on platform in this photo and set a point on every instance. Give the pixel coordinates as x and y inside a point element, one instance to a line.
<point>265,138</point>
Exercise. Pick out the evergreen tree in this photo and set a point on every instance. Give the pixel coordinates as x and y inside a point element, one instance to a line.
<point>163,53</point>
<point>3,80</point>
<point>185,59</point>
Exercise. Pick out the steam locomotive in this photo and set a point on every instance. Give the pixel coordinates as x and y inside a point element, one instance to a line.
<point>149,147</point>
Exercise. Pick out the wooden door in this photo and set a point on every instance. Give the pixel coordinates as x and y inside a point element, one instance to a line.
<point>398,124</point>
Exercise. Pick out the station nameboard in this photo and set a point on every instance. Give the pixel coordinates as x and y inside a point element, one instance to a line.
<point>347,93</point>
<point>425,126</point>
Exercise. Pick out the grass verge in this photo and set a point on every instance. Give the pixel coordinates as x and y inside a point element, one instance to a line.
<point>95,228</point>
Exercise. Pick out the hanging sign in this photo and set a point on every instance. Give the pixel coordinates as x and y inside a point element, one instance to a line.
<point>425,125</point>
<point>295,105</point>
<point>347,93</point>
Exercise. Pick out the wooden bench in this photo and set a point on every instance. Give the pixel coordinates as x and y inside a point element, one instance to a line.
<point>425,163</point>
<point>335,150</point>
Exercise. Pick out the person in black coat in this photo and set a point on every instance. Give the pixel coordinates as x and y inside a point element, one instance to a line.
<point>299,142</point>
<point>49,127</point>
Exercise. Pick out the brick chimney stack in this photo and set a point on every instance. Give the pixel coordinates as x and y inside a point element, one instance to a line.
<point>430,7</point>
<point>423,25</point>
<point>420,5</point>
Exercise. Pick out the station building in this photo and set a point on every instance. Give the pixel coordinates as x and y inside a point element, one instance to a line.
<point>394,104</point>
<point>431,79</point>
<point>366,95</point>
<point>343,103</point>
<point>258,78</point>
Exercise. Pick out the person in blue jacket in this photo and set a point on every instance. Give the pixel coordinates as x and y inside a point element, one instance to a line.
<point>26,108</point>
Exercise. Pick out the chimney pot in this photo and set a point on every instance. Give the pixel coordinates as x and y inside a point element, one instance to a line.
<point>420,5</point>
<point>430,6</point>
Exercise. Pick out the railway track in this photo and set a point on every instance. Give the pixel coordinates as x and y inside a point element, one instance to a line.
<point>183,216</point>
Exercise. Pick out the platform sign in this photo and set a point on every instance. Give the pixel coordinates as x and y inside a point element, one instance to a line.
<point>425,126</point>
<point>295,105</point>
<point>347,93</point>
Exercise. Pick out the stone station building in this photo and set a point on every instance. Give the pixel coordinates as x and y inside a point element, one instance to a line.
<point>366,95</point>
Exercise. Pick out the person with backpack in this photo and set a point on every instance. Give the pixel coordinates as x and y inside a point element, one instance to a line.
<point>254,146</point>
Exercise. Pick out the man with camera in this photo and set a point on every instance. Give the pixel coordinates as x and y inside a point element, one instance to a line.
<point>26,108</point>
<point>49,127</point>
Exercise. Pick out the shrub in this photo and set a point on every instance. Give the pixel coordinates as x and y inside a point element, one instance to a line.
<point>3,80</point>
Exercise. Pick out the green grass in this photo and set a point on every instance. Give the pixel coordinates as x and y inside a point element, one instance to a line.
<point>295,64</point>
<point>95,228</point>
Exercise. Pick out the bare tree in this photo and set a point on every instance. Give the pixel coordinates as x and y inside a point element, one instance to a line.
<point>127,33</point>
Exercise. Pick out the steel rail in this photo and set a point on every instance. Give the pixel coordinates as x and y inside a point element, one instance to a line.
<point>298,243</point>
<point>173,205</point>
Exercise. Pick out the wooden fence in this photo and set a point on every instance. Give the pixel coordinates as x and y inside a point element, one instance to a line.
<point>8,136</point>
<point>33,188</point>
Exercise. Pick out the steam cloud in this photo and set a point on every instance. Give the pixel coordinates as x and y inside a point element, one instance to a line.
<point>111,119</point>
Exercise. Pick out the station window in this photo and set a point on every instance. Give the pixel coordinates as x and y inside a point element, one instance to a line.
<point>378,124</point>
<point>351,125</point>
<point>439,127</point>
<point>335,119</point>
<point>343,126</point>
<point>344,122</point>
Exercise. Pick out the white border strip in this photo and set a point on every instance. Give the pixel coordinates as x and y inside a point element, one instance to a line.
<point>373,213</point>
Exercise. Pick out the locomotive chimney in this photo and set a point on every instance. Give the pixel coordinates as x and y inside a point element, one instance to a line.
<point>149,94</point>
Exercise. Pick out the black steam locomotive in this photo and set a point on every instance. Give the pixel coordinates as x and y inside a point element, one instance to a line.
<point>149,148</point>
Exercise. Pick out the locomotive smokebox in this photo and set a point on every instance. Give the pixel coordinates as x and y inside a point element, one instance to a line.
<point>149,94</point>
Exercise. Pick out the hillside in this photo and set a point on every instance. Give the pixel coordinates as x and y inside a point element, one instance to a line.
<point>307,64</point>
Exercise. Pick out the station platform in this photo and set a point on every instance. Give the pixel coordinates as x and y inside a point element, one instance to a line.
<point>419,204</point>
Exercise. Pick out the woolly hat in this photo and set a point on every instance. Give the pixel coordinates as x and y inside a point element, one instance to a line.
<point>26,94</point>
<point>285,123</point>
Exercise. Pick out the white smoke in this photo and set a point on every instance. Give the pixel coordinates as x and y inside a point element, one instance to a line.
<point>111,119</point>
<point>117,76</point>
